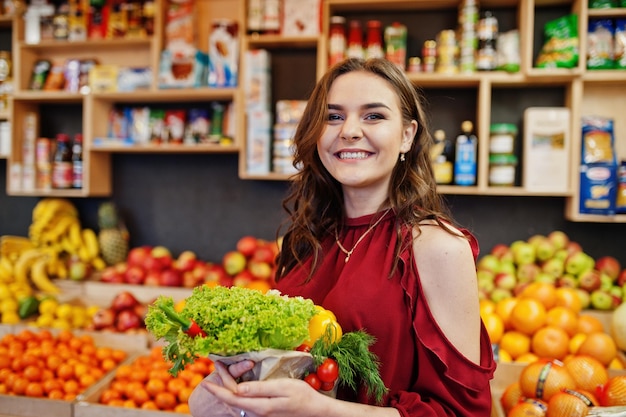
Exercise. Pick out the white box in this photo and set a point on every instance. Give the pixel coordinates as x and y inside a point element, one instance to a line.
<point>258,157</point>
<point>258,80</point>
<point>547,143</point>
<point>301,18</point>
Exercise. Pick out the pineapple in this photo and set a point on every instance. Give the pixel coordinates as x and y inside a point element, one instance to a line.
<point>113,236</point>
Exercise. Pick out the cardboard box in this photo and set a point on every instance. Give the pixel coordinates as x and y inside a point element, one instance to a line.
<point>301,18</point>
<point>258,80</point>
<point>259,137</point>
<point>546,149</point>
<point>598,188</point>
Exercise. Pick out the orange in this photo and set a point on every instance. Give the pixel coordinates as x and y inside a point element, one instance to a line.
<point>588,372</point>
<point>504,356</point>
<point>511,396</point>
<point>515,343</point>
<point>529,408</point>
<point>563,317</point>
<point>550,342</point>
<point>259,285</point>
<point>599,345</point>
<point>165,400</point>
<point>494,325</point>
<point>576,341</point>
<point>540,291</point>
<point>544,378</point>
<point>568,297</point>
<point>527,358</point>
<point>487,306</point>
<point>528,315</point>
<point>503,309</point>
<point>589,324</point>
<point>567,404</point>
<point>614,392</point>
<point>616,364</point>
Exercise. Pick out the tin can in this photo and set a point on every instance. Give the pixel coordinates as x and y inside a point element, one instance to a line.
<point>395,44</point>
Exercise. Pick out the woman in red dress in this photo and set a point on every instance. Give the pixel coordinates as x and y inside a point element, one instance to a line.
<point>371,240</point>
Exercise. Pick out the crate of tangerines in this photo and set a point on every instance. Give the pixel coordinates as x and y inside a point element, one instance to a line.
<point>546,346</point>
<point>43,372</point>
<point>143,383</point>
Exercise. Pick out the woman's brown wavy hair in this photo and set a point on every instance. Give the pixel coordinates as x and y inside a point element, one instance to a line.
<point>315,203</point>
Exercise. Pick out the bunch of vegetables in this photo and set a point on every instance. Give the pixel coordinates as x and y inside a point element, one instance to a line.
<point>228,321</point>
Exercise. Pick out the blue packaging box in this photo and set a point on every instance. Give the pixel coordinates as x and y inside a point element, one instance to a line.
<point>598,188</point>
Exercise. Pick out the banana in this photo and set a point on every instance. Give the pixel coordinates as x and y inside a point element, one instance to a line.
<point>49,207</point>
<point>14,244</point>
<point>91,243</point>
<point>98,263</point>
<point>6,270</point>
<point>59,230</point>
<point>24,263</point>
<point>75,235</point>
<point>84,255</point>
<point>62,272</point>
<point>39,276</point>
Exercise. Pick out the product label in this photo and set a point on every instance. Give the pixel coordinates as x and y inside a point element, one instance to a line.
<point>62,175</point>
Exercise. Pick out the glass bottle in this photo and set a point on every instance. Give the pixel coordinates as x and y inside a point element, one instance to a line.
<point>337,41</point>
<point>355,40</point>
<point>374,40</point>
<point>62,163</point>
<point>77,161</point>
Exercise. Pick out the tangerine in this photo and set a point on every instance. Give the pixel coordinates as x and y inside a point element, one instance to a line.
<point>503,309</point>
<point>528,315</point>
<point>563,317</point>
<point>515,343</point>
<point>568,297</point>
<point>589,324</point>
<point>544,378</point>
<point>527,358</point>
<point>567,404</point>
<point>599,345</point>
<point>588,372</point>
<point>494,325</point>
<point>575,342</point>
<point>529,408</point>
<point>614,392</point>
<point>487,306</point>
<point>543,292</point>
<point>550,342</point>
<point>511,396</point>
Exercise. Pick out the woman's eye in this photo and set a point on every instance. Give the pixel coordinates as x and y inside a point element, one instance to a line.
<point>374,116</point>
<point>334,117</point>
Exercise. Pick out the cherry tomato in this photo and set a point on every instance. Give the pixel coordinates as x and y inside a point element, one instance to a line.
<point>327,386</point>
<point>328,371</point>
<point>304,348</point>
<point>313,381</point>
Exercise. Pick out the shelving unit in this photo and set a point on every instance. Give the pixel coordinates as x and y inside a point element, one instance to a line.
<point>478,96</point>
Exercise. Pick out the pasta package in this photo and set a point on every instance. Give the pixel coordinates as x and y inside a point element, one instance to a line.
<point>598,140</point>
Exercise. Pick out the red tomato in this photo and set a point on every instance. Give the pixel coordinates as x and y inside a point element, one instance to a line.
<point>328,371</point>
<point>327,386</point>
<point>313,381</point>
<point>304,348</point>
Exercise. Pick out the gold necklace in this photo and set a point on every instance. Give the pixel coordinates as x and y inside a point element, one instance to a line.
<point>349,252</point>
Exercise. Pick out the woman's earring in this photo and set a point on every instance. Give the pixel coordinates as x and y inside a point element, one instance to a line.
<point>402,158</point>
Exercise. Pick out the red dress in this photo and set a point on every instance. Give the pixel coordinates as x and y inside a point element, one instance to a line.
<point>426,375</point>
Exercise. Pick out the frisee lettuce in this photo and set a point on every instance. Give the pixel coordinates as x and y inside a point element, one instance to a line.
<point>235,319</point>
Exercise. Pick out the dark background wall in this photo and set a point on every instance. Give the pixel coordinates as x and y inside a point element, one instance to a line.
<point>197,202</point>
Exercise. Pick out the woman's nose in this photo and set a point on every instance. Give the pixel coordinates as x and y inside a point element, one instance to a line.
<point>351,129</point>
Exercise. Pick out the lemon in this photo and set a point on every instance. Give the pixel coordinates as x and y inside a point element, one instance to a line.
<point>5,292</point>
<point>48,306</point>
<point>92,310</point>
<point>10,305</point>
<point>44,320</point>
<point>64,311</point>
<point>10,317</point>
<point>60,324</point>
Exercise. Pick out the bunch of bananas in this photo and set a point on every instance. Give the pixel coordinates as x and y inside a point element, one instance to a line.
<point>54,236</point>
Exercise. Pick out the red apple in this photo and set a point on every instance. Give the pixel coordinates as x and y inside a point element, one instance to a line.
<point>152,264</point>
<point>573,247</point>
<point>264,253</point>
<point>502,252</point>
<point>163,255</point>
<point>127,320</point>
<point>153,279</point>
<point>171,278</point>
<point>247,245</point>
<point>190,280</point>
<point>260,270</point>
<point>234,262</point>
<point>505,280</point>
<point>104,318</point>
<point>528,272</point>
<point>135,275</point>
<point>137,256</point>
<point>214,273</point>
<point>110,274</point>
<point>608,265</point>
<point>590,280</point>
<point>124,300</point>
<point>243,278</point>
<point>621,278</point>
<point>186,261</point>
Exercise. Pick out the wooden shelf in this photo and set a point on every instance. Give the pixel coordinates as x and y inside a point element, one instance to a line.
<point>170,95</point>
<point>166,148</point>
<point>279,41</point>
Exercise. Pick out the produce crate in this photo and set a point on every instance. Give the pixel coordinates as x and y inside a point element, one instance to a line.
<point>6,329</point>
<point>102,293</point>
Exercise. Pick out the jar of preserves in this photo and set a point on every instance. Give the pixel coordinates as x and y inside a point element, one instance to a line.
<point>502,138</point>
<point>502,170</point>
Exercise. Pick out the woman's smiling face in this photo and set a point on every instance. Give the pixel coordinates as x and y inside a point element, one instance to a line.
<point>364,134</point>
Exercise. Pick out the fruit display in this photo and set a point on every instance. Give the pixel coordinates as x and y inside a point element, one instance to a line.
<point>251,265</point>
<point>57,246</point>
<point>576,387</point>
<point>547,322</point>
<point>41,364</point>
<point>554,259</point>
<point>145,383</point>
<point>113,236</point>
<point>125,314</point>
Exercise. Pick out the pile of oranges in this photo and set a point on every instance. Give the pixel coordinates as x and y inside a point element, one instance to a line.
<point>146,383</point>
<point>40,364</point>
<point>570,388</point>
<point>546,322</point>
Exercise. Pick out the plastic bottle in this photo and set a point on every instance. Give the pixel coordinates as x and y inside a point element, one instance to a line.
<point>465,155</point>
<point>62,163</point>
<point>77,161</point>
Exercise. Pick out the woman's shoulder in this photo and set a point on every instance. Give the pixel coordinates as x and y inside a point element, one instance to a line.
<point>432,238</point>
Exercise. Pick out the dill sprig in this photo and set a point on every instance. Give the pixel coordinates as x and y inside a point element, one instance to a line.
<point>357,364</point>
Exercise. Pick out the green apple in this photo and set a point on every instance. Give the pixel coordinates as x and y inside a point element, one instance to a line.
<point>508,267</point>
<point>524,253</point>
<point>505,280</point>
<point>559,239</point>
<point>576,263</point>
<point>601,300</point>
<point>528,272</point>
<point>499,294</point>
<point>488,262</point>
<point>554,267</point>
<point>545,249</point>
<point>545,277</point>
<point>585,298</point>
